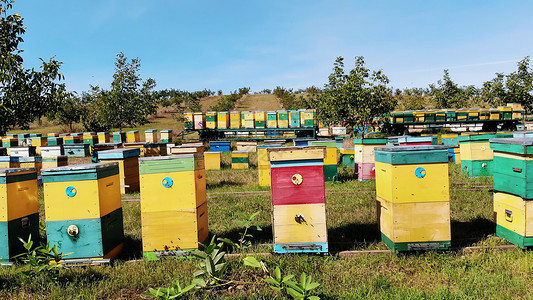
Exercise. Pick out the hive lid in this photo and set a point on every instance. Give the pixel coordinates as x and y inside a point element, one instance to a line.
<point>370,141</point>
<point>512,145</point>
<point>329,144</point>
<point>166,158</point>
<point>83,167</point>
<point>13,159</point>
<point>13,171</point>
<point>296,153</point>
<point>119,153</point>
<point>174,163</point>
<point>401,155</point>
<point>523,134</point>
<point>482,137</point>
<point>79,172</point>
<point>269,146</point>
<point>150,130</point>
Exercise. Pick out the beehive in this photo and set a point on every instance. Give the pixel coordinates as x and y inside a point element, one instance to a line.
<point>90,139</point>
<point>347,157</point>
<point>103,137</point>
<point>54,161</point>
<point>212,160</point>
<point>247,146</point>
<point>188,120</point>
<point>83,210</point>
<point>414,140</point>
<point>450,139</point>
<point>19,210</point>
<point>211,120</point>
<point>260,119</point>
<point>76,150</point>
<point>412,192</point>
<point>22,151</point>
<point>523,134</point>
<point>239,160</point>
<point>10,142</point>
<point>9,162</point>
<point>298,199</point>
<point>101,147</point>
<point>308,118</point>
<point>166,136</point>
<point>223,120</point>
<point>54,141</point>
<point>338,142</point>
<point>283,119</point>
<point>302,142</point>
<point>235,120</point>
<point>150,136</point>
<point>173,205</point>
<point>128,165</point>
<point>185,149</point>
<point>38,141</point>
<point>330,161</point>
<point>35,162</point>
<point>71,139</point>
<point>294,118</point>
<point>364,156</point>
<point>476,155</point>
<point>140,146</point>
<point>133,136</point>
<point>263,164</point>
<point>506,112</point>
<point>199,120</point>
<point>513,216</point>
<point>89,133</point>
<point>457,155</point>
<point>154,149</point>
<point>247,119</point>
<point>272,119</point>
<point>22,138</point>
<point>220,146</point>
<point>119,137</point>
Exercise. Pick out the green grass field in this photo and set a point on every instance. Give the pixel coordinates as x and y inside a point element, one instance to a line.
<point>476,274</point>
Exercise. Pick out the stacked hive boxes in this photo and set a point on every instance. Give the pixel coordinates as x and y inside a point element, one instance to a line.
<point>199,120</point>
<point>294,118</point>
<point>513,189</point>
<point>235,120</point>
<point>247,119</point>
<point>260,119</point>
<point>83,210</point>
<point>150,135</point>
<point>240,160</point>
<point>476,155</point>
<point>154,149</point>
<point>103,137</point>
<point>211,120</point>
<point>54,141</point>
<point>223,120</point>
<point>330,161</point>
<point>133,136</point>
<point>19,210</point>
<point>166,136</point>
<point>364,156</point>
<point>308,117</point>
<point>72,139</point>
<point>272,119</point>
<point>283,119</point>
<point>263,165</point>
<point>90,138</point>
<point>412,189</point>
<point>38,141</point>
<point>32,162</point>
<point>10,142</point>
<point>128,165</point>
<point>173,205</point>
<point>77,150</point>
<point>452,141</point>
<point>188,120</point>
<point>22,138</point>
<point>298,199</point>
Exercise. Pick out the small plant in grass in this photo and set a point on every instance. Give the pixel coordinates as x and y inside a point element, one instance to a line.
<point>174,292</point>
<point>297,290</point>
<point>212,265</point>
<point>41,259</point>
<point>247,222</point>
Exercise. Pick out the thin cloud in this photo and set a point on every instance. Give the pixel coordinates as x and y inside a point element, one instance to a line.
<point>470,65</point>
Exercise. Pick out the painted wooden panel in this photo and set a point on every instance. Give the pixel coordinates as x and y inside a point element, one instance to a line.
<point>264,175</point>
<point>475,168</point>
<point>55,161</point>
<point>128,173</point>
<point>235,119</point>
<point>304,223</point>
<point>11,231</point>
<point>514,213</point>
<point>366,171</point>
<point>513,174</point>
<point>103,137</point>
<point>296,153</point>
<point>412,183</point>
<point>76,150</point>
<point>174,229</point>
<point>476,151</point>
<point>175,163</point>
<point>183,149</point>
<point>87,199</point>
<point>173,190</point>
<point>331,156</point>
<point>298,185</point>
<point>50,151</point>
<point>415,222</point>
<point>95,238</point>
<point>212,160</point>
<point>18,195</point>
<point>199,120</point>
<point>223,120</point>
<point>166,136</point>
<point>220,146</point>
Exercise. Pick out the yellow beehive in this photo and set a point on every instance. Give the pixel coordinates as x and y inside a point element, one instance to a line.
<point>9,162</point>
<point>272,119</point>
<point>52,134</point>
<point>287,229</point>
<point>239,160</point>
<point>247,146</point>
<point>212,160</point>
<point>211,120</point>
<point>128,164</point>
<point>247,119</point>
<point>133,136</point>
<point>235,119</point>
<point>55,161</point>
<point>188,120</point>
<point>139,146</point>
<point>187,149</point>
<point>150,136</point>
<point>32,162</point>
<point>263,164</point>
<point>223,120</point>
<point>104,137</point>
<point>513,216</point>
<point>173,204</point>
<point>283,119</point>
<point>166,136</point>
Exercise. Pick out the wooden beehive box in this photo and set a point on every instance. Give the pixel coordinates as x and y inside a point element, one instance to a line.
<point>173,204</point>
<point>103,137</point>
<point>211,120</point>
<point>22,151</point>
<point>52,151</point>
<point>223,120</point>
<point>54,161</point>
<point>119,137</point>
<point>235,120</point>
<point>476,155</point>
<point>10,142</point>
<point>71,139</point>
<point>133,136</point>
<point>330,162</point>
<point>183,149</point>
<point>166,136</point>
<point>347,156</point>
<point>298,199</point>
<point>154,149</point>
<point>513,216</point>
<point>263,164</point>
<point>90,139</point>
<point>77,150</point>
<point>150,136</point>
<point>9,161</point>
<point>272,119</point>
<point>240,160</point>
<point>247,146</point>
<point>54,141</point>
<point>19,210</point>
<point>364,156</point>
<point>35,162</point>
<point>83,210</point>
<point>220,146</point>
<point>260,119</point>
<point>212,160</point>
<point>412,191</point>
<point>128,165</point>
<point>283,119</point>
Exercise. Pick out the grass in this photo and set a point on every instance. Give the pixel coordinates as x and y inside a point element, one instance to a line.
<point>259,102</point>
<point>351,218</point>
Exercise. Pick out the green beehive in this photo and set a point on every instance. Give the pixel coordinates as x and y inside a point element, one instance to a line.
<point>294,118</point>
<point>476,154</point>
<point>283,119</point>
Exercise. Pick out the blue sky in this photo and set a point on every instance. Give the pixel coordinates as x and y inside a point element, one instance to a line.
<point>225,45</point>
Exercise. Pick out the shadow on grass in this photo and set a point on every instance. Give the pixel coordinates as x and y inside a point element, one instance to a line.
<point>224,183</point>
<point>345,174</point>
<point>132,249</point>
<point>349,236</point>
<point>467,233</point>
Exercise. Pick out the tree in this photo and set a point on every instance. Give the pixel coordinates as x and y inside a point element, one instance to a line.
<point>356,98</point>
<point>25,94</point>
<point>494,92</point>
<point>130,100</point>
<point>69,111</point>
<point>520,85</point>
<point>448,94</point>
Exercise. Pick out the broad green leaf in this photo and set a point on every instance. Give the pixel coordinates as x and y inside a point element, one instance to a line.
<point>252,262</point>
